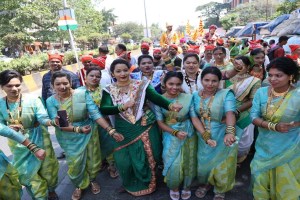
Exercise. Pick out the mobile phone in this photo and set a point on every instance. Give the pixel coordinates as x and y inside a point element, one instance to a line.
<point>63,118</point>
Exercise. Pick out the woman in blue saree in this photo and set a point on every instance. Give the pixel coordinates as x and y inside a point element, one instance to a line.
<point>75,139</point>
<point>9,183</point>
<point>275,167</point>
<point>214,119</point>
<point>28,116</point>
<point>179,139</point>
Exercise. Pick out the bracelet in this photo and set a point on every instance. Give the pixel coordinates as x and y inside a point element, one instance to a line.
<point>170,107</point>
<point>31,146</point>
<point>206,136</point>
<point>28,144</point>
<point>230,130</point>
<point>53,122</point>
<point>272,126</point>
<point>108,128</point>
<point>174,132</point>
<point>35,149</point>
<point>121,107</point>
<point>112,131</point>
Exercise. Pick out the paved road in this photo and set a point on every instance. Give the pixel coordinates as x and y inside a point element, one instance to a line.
<point>109,187</point>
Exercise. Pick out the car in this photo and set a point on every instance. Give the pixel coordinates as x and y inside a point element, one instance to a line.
<point>4,58</point>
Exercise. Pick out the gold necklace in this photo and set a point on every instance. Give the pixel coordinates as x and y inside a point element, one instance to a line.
<point>12,120</point>
<point>271,107</point>
<point>206,113</point>
<point>279,94</point>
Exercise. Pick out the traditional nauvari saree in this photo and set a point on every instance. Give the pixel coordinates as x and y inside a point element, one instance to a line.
<point>244,88</point>
<point>217,165</point>
<point>179,156</point>
<point>9,183</point>
<point>137,154</point>
<point>83,157</point>
<point>275,167</point>
<point>39,177</point>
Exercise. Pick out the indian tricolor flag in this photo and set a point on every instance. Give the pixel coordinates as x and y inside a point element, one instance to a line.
<point>66,22</point>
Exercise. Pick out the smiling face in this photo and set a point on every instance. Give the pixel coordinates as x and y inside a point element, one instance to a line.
<point>210,82</point>
<point>219,56</point>
<point>12,88</point>
<point>121,73</point>
<point>173,86</point>
<point>93,78</point>
<point>191,65</point>
<point>62,86</point>
<point>259,59</point>
<point>146,65</point>
<point>55,64</point>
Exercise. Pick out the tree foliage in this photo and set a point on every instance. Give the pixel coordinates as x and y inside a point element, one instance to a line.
<point>133,29</point>
<point>155,32</point>
<point>248,12</point>
<point>109,18</point>
<point>287,7</point>
<point>212,11</point>
<point>126,37</point>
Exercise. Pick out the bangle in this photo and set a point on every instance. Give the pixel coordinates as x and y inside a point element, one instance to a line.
<point>35,149</point>
<point>121,107</point>
<point>108,128</point>
<point>230,130</point>
<point>174,132</point>
<point>112,131</point>
<point>53,122</point>
<point>272,126</point>
<point>206,136</point>
<point>170,106</point>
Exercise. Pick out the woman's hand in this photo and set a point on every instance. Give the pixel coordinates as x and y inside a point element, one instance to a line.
<point>40,154</point>
<point>211,143</point>
<point>229,139</point>
<point>284,127</point>
<point>176,107</point>
<point>128,104</point>
<point>118,137</point>
<point>181,135</point>
<point>85,129</point>
<point>15,127</point>
<point>165,52</point>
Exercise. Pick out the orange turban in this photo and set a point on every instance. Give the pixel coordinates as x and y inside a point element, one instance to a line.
<point>145,46</point>
<point>254,44</point>
<point>85,58</point>
<point>220,41</point>
<point>293,57</point>
<point>193,49</point>
<point>174,46</point>
<point>56,56</point>
<point>209,47</point>
<point>156,50</point>
<point>100,61</point>
<point>294,47</point>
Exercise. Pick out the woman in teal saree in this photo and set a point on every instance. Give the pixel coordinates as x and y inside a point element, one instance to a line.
<point>275,167</point>
<point>75,140</point>
<point>137,154</point>
<point>9,183</point>
<point>28,116</point>
<point>214,119</point>
<point>179,140</point>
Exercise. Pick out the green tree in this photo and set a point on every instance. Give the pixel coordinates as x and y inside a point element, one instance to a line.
<point>82,41</point>
<point>155,32</point>
<point>109,18</point>
<point>94,39</point>
<point>105,37</point>
<point>16,41</point>
<point>133,29</point>
<point>126,37</point>
<point>287,6</point>
<point>213,11</point>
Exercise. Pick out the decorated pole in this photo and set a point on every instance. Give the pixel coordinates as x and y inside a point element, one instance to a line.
<point>200,28</point>
<point>67,22</point>
<point>188,29</point>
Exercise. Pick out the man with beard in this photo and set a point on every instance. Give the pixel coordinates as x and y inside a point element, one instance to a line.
<point>172,61</point>
<point>55,64</point>
<point>157,60</point>
<point>208,55</point>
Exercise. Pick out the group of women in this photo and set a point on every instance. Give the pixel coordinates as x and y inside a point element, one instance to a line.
<point>199,128</point>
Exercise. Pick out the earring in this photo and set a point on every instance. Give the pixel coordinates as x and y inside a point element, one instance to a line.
<point>291,80</point>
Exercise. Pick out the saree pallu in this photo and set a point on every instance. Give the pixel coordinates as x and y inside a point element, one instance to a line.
<point>10,188</point>
<point>217,165</point>
<point>275,167</point>
<point>179,156</point>
<point>82,150</point>
<point>244,90</point>
<point>39,177</point>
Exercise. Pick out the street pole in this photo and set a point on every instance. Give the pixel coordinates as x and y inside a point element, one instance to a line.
<point>267,10</point>
<point>73,47</point>
<point>146,19</point>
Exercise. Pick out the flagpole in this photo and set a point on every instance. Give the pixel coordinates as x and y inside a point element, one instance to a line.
<point>73,47</point>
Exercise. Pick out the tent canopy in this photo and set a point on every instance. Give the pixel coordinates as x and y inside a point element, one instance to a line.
<point>268,28</point>
<point>250,29</point>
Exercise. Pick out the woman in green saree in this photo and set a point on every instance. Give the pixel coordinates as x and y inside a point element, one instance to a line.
<point>137,154</point>
<point>104,141</point>
<point>81,154</point>
<point>275,167</point>
<point>244,87</point>
<point>214,119</point>
<point>179,140</point>
<point>27,115</point>
<point>9,183</point>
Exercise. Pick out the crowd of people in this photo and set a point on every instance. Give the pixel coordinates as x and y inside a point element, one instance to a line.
<point>196,114</point>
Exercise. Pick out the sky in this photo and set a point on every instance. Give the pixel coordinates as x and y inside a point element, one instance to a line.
<point>158,11</point>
